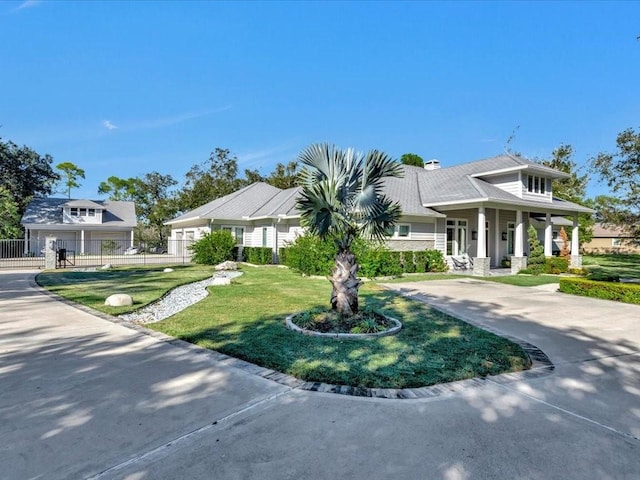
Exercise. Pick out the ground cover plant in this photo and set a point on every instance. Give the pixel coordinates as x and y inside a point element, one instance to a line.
<point>145,284</point>
<point>246,320</point>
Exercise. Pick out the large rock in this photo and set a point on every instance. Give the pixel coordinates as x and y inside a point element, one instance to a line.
<point>228,265</point>
<point>119,300</point>
<point>221,281</point>
<point>168,270</point>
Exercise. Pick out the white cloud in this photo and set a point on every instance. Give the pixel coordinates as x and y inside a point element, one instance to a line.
<point>174,120</point>
<point>28,4</point>
<point>108,125</point>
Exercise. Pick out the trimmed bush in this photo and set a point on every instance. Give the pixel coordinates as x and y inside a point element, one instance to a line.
<point>215,247</point>
<point>601,276</point>
<point>407,262</point>
<point>435,261</point>
<point>619,292</point>
<point>309,255</point>
<point>258,255</point>
<point>556,265</point>
<point>536,260</point>
<point>379,261</point>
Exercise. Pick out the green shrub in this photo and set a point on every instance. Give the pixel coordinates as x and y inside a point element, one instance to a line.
<point>576,271</point>
<point>213,248</point>
<point>526,271</point>
<point>309,255</point>
<point>536,260</point>
<point>258,255</point>
<point>556,265</point>
<point>505,262</point>
<point>376,260</point>
<point>435,261</point>
<point>407,262</point>
<point>620,292</point>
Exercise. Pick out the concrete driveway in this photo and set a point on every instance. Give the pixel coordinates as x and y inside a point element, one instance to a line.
<point>82,397</point>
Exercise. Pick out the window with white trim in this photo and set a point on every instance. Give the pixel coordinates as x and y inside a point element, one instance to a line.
<point>536,184</point>
<point>404,230</point>
<point>615,242</point>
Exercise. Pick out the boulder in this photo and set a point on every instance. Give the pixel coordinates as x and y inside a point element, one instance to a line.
<point>228,265</point>
<point>168,270</point>
<point>119,300</point>
<point>106,267</point>
<point>221,281</point>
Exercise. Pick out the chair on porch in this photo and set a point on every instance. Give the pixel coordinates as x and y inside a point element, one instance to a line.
<point>459,264</point>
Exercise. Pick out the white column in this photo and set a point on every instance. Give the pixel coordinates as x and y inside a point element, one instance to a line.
<point>575,237</point>
<point>497,238</point>
<point>519,246</point>
<point>548,237</point>
<point>482,240</point>
<point>26,240</point>
<point>82,242</point>
<point>132,238</point>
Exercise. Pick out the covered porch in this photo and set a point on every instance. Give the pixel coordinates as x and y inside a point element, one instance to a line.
<point>488,238</point>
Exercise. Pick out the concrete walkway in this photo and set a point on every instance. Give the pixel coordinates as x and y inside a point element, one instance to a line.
<point>81,397</point>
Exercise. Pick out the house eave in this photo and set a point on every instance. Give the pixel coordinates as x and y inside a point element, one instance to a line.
<point>533,168</point>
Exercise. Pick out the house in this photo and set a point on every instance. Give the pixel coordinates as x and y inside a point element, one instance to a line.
<point>81,226</point>
<point>611,239</point>
<point>479,209</point>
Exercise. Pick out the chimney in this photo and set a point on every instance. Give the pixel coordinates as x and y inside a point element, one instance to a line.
<point>432,164</point>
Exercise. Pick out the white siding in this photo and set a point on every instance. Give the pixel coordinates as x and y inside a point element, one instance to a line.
<point>288,233</point>
<point>440,235</point>
<point>509,182</point>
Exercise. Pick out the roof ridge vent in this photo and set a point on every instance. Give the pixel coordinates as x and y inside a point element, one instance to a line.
<point>433,164</point>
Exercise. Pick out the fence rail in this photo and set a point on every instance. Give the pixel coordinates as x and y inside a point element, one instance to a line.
<point>30,254</point>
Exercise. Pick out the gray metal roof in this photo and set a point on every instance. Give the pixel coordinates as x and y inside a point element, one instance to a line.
<point>419,192</point>
<point>84,203</point>
<point>48,211</point>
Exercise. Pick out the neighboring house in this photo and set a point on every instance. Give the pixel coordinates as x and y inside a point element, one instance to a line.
<point>79,225</point>
<point>611,239</point>
<point>442,208</point>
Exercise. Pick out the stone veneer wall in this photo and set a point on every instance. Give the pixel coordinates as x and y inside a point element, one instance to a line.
<point>410,245</point>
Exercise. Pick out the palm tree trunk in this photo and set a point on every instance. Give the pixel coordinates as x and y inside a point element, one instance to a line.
<point>344,296</point>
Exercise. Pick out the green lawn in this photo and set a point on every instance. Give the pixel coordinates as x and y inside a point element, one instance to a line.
<point>246,320</point>
<point>145,284</point>
<point>623,265</point>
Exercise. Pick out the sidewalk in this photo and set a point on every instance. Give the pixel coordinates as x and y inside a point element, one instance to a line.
<point>81,397</point>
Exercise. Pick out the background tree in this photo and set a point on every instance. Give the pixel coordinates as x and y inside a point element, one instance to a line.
<point>210,180</point>
<point>621,172</point>
<point>283,176</point>
<point>119,189</point>
<point>412,159</point>
<point>342,200</point>
<point>572,189</point>
<point>70,173</point>
<point>9,216</point>
<point>25,174</point>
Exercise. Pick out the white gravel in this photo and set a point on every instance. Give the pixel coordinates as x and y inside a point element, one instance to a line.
<point>176,300</point>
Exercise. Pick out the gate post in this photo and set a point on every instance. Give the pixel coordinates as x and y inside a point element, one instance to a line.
<point>50,253</point>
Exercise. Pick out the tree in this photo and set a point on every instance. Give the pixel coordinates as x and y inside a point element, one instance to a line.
<point>25,174</point>
<point>9,216</point>
<point>565,251</point>
<point>342,199</point>
<point>155,203</point>
<point>210,180</point>
<point>283,176</point>
<point>119,189</point>
<point>412,159</point>
<point>572,189</point>
<point>70,175</point>
<point>621,172</point>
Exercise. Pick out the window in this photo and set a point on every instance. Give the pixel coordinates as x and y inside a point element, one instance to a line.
<point>73,211</point>
<point>403,230</point>
<point>536,184</point>
<point>456,237</point>
<point>239,234</point>
<point>83,212</point>
<point>511,237</point>
<point>91,212</point>
<point>615,242</point>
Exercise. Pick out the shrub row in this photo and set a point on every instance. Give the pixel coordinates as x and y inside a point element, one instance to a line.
<point>311,256</point>
<point>257,255</point>
<point>554,265</point>
<point>620,292</point>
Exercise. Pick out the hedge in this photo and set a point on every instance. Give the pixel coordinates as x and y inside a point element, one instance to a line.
<point>258,255</point>
<point>620,292</point>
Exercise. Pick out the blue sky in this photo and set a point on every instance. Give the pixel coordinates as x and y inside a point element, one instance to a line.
<point>125,88</point>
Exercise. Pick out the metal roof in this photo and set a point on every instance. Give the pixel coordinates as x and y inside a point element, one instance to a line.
<point>48,211</point>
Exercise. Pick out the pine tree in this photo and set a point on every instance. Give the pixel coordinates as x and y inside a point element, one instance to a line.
<point>535,262</point>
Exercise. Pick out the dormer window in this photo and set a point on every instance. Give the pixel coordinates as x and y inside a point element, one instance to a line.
<point>73,211</point>
<point>536,184</point>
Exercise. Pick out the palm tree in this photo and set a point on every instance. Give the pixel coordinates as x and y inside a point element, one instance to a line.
<point>342,199</point>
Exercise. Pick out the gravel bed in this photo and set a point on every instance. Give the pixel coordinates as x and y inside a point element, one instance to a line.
<point>176,300</point>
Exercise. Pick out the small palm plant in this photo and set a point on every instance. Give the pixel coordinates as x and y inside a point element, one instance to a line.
<point>342,199</point>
